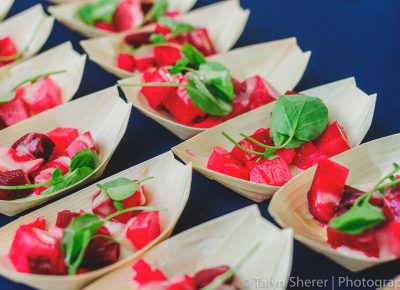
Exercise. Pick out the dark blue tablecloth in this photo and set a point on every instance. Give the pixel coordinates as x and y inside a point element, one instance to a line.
<point>358,38</point>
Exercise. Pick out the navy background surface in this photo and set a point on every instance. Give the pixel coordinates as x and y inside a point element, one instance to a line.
<point>358,38</point>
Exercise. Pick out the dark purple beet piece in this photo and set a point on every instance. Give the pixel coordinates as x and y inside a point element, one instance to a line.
<point>206,276</point>
<point>36,145</point>
<point>138,39</point>
<point>14,177</point>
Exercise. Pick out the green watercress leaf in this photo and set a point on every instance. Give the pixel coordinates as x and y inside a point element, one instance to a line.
<point>159,8</point>
<point>69,179</point>
<point>218,80</point>
<point>102,10</point>
<point>118,205</point>
<point>179,66</point>
<point>299,116</point>
<point>193,55</point>
<point>85,158</point>
<point>176,27</point>
<point>119,189</point>
<point>280,139</point>
<point>202,98</point>
<point>157,38</point>
<point>76,238</point>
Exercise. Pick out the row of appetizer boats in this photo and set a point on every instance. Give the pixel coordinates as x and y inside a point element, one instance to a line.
<point>252,133</point>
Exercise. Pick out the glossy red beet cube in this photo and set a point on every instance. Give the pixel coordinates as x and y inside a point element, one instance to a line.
<point>333,140</point>
<point>365,242</point>
<point>14,177</point>
<point>145,59</point>
<point>256,92</point>
<point>307,155</point>
<point>326,190</point>
<point>144,274</point>
<point>10,159</point>
<point>166,55</point>
<point>104,26</point>
<point>36,145</point>
<point>389,239</point>
<point>34,250</point>
<point>143,229</point>
<point>209,122</point>
<point>14,111</point>
<point>126,62</point>
<point>103,206</point>
<point>273,172</point>
<point>128,15</point>
<point>391,205</point>
<point>84,141</point>
<point>101,251</point>
<point>181,107</point>
<point>156,95</point>
<point>207,276</point>
<point>222,161</point>
<point>42,95</point>
<point>261,135</point>
<point>7,48</point>
<point>286,154</point>
<point>45,172</point>
<point>200,39</point>
<point>62,137</point>
<point>159,28</point>
<point>65,217</point>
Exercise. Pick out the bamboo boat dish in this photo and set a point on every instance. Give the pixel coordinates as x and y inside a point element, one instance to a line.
<point>66,13</point>
<point>5,7</point>
<point>222,241</point>
<point>103,115</point>
<point>41,83</point>
<point>27,32</point>
<point>355,119</point>
<point>281,63</point>
<point>365,164</point>
<point>223,31</point>
<point>168,176</point>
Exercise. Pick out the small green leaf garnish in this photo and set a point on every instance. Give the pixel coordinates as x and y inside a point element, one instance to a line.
<point>119,189</point>
<point>157,38</point>
<point>176,27</point>
<point>102,10</point>
<point>159,8</point>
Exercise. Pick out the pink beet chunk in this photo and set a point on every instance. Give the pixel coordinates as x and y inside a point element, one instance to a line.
<point>14,177</point>
<point>273,172</point>
<point>307,155</point>
<point>7,48</point>
<point>143,229</point>
<point>222,161</point>
<point>144,274</point>
<point>126,62</point>
<point>14,111</point>
<point>62,137</point>
<point>166,55</point>
<point>326,190</point>
<point>84,141</point>
<point>200,39</point>
<point>256,92</point>
<point>128,15</point>
<point>10,159</point>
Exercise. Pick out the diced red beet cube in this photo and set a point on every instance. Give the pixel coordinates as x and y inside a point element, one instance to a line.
<point>200,39</point>
<point>273,172</point>
<point>14,111</point>
<point>36,251</point>
<point>128,15</point>
<point>104,26</point>
<point>256,92</point>
<point>145,59</point>
<point>307,155</point>
<point>333,140</point>
<point>365,242</point>
<point>166,55</point>
<point>209,122</point>
<point>84,141</point>
<point>101,251</point>
<point>159,28</point>
<point>207,276</point>
<point>42,95</point>
<point>172,13</point>
<point>286,154</point>
<point>144,274</point>
<point>236,85</point>
<point>62,137</point>
<point>262,135</point>
<point>143,229</point>
<point>156,95</point>
<point>389,239</point>
<point>65,217</point>
<point>137,39</point>
<point>391,205</point>
<point>36,145</point>
<point>45,172</point>
<point>7,48</point>
<point>126,62</point>
<point>14,177</point>
<point>222,161</point>
<point>181,107</point>
<point>10,159</point>
<point>326,190</point>
<point>103,206</point>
